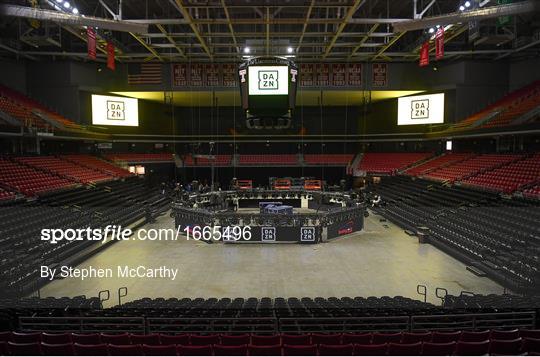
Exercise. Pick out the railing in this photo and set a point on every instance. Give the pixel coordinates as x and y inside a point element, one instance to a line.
<point>503,320</point>
<point>212,324</point>
<point>82,324</point>
<point>262,325</point>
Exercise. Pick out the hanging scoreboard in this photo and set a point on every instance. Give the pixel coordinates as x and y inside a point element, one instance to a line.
<point>268,86</point>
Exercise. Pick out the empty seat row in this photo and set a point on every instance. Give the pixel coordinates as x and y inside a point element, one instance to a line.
<point>493,347</point>
<point>389,163</point>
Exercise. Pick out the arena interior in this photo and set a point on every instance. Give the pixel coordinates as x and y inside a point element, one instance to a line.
<point>256,177</point>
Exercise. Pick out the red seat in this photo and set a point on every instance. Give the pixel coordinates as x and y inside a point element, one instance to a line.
<point>360,338</point>
<point>299,350</point>
<point>404,349</point>
<point>119,339</point>
<point>91,350</point>
<point>182,339</point>
<point>336,350</point>
<point>529,333</point>
<point>478,348</point>
<point>5,336</point>
<point>380,338</point>
<point>55,338</point>
<point>31,337</point>
<point>504,335</point>
<point>235,340</point>
<point>86,339</point>
<point>202,350</point>
<point>287,339</point>
<point>370,350</point>
<point>125,350</point>
<point>223,350</point>
<point>327,339</point>
<point>62,349</point>
<point>505,347</point>
<point>152,339</point>
<point>24,349</point>
<point>265,340</point>
<point>474,336</point>
<point>163,350</point>
<point>531,345</point>
<point>267,350</point>
<point>202,340</point>
<point>4,349</point>
<point>443,337</point>
<point>412,337</point>
<point>438,349</point>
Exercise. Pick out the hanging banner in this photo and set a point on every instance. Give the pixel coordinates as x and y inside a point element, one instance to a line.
<point>306,75</point>
<point>212,75</point>
<point>339,75</point>
<point>323,74</point>
<point>91,42</point>
<point>196,75</point>
<point>424,54</point>
<point>228,71</point>
<point>379,73</point>
<point>179,75</point>
<point>354,75</point>
<point>439,44</point>
<point>110,56</point>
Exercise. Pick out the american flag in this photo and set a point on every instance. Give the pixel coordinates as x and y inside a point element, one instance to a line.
<point>144,73</point>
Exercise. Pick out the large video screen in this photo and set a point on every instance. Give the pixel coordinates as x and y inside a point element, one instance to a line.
<point>116,111</point>
<point>421,109</point>
<point>268,80</point>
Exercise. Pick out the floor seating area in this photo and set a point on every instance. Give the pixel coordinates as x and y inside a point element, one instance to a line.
<point>496,235</point>
<point>119,203</point>
<point>471,166</point>
<point>493,342</point>
<point>328,159</point>
<point>28,180</point>
<point>389,163</point>
<point>278,159</point>
<point>64,168</point>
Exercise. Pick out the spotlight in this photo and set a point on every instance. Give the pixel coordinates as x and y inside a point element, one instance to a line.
<point>289,49</point>
<point>462,8</point>
<point>247,50</point>
<point>59,1</point>
<point>431,30</point>
<point>467,3</point>
<point>75,10</point>
<point>67,5</point>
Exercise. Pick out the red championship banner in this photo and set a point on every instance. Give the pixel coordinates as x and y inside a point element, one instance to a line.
<point>379,75</point>
<point>228,71</point>
<point>91,42</point>
<point>211,72</point>
<point>179,75</point>
<point>339,75</point>
<point>322,73</point>
<point>110,56</point>
<point>196,75</point>
<point>439,44</point>
<point>424,54</point>
<point>306,75</point>
<point>354,74</point>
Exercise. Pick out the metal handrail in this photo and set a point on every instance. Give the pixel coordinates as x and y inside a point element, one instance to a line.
<point>82,324</point>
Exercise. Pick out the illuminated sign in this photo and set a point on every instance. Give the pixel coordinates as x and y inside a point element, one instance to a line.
<point>117,111</point>
<point>268,80</point>
<point>421,109</point>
